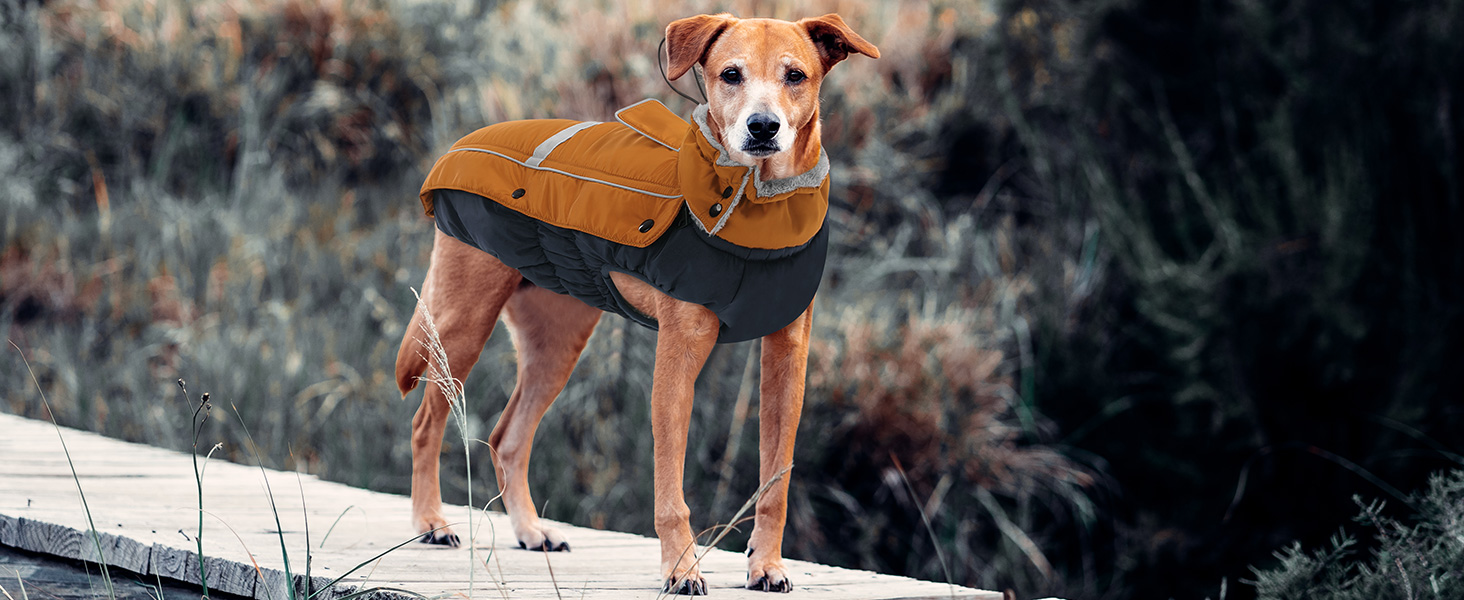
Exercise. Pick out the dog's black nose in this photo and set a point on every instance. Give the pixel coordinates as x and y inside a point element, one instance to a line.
<point>762,126</point>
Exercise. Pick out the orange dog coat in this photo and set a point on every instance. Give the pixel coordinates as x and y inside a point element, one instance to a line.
<point>587,198</point>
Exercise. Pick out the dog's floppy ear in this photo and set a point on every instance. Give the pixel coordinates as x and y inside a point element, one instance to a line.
<point>687,40</point>
<point>835,40</point>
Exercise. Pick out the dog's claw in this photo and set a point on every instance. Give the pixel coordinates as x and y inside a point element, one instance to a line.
<point>766,585</point>
<point>441,538</point>
<point>691,586</point>
<point>547,546</point>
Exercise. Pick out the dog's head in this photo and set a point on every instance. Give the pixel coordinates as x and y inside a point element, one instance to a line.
<point>763,78</point>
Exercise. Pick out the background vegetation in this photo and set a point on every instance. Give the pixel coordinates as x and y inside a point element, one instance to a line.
<point>1133,292</point>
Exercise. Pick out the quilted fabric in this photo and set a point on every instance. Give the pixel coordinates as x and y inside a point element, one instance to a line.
<point>567,202</point>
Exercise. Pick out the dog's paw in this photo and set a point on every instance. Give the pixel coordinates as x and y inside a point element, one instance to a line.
<point>690,584</point>
<point>769,577</point>
<point>436,532</point>
<point>441,537</point>
<point>544,539</point>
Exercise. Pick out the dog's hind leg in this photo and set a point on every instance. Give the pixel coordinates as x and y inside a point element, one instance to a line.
<point>464,291</point>
<point>549,330</point>
<point>784,368</point>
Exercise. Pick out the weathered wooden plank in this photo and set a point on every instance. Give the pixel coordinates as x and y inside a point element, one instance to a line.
<point>119,550</point>
<point>145,502</point>
<point>47,577</point>
<point>225,574</point>
<point>67,542</point>
<point>9,530</point>
<point>274,586</point>
<point>48,538</point>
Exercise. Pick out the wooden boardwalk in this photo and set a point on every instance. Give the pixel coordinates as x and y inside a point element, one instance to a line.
<point>144,502</point>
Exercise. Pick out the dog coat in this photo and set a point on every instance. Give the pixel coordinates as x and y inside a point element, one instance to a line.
<point>568,202</point>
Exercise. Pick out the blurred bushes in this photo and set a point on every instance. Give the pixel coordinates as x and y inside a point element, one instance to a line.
<point>1128,293</point>
<point>920,404</point>
<point>187,93</point>
<point>226,192</point>
<point>1276,187</point>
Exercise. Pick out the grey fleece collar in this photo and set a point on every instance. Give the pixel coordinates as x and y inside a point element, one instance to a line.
<point>765,189</point>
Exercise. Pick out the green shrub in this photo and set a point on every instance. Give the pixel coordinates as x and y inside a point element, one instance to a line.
<point>1425,560</point>
<point>1273,191</point>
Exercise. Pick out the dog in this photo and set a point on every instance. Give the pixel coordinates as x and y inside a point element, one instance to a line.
<point>760,125</point>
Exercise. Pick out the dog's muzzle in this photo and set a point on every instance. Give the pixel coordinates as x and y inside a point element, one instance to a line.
<point>762,129</point>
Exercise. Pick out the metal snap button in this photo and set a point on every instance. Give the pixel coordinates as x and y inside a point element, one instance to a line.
<point>716,209</point>
<point>727,193</point>
<point>518,193</point>
<point>647,225</point>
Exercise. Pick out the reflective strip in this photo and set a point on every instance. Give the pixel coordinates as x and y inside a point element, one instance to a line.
<point>564,173</point>
<point>547,146</point>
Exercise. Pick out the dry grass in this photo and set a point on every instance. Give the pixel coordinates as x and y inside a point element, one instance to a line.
<point>225,191</point>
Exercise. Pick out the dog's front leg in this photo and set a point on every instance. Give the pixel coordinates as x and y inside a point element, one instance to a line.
<point>784,368</point>
<point>686,335</point>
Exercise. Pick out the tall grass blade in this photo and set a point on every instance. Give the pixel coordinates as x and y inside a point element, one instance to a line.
<point>338,522</point>
<point>159,588</point>
<point>493,551</point>
<point>279,529</point>
<point>205,409</point>
<point>155,592</point>
<point>1014,533</point>
<point>439,372</point>
<point>924,518</point>
<point>492,531</point>
<point>95,535</point>
<point>552,580</point>
<point>368,561</point>
<point>1240,484</point>
<point>360,593</point>
<point>253,561</point>
<point>7,593</point>
<point>1417,435</point>
<point>304,514</point>
<point>725,529</point>
<point>21,585</point>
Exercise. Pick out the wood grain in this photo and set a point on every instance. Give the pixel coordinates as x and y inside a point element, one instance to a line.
<point>145,505</point>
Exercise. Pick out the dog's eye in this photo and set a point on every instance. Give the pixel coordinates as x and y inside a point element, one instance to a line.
<point>795,76</point>
<point>732,75</point>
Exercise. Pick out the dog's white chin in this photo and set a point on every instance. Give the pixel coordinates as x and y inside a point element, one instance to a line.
<point>749,159</point>
<point>739,138</point>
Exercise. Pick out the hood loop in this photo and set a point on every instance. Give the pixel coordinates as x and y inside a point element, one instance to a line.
<point>695,72</point>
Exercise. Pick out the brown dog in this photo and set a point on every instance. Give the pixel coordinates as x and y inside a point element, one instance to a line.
<point>763,107</point>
